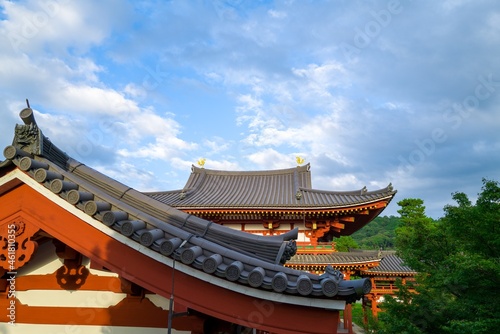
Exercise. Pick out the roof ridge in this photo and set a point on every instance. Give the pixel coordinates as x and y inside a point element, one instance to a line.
<point>291,170</point>
<point>362,191</point>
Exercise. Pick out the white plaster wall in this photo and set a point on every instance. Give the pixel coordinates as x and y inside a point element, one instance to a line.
<point>250,227</point>
<point>70,298</point>
<point>159,301</point>
<point>302,237</point>
<point>44,261</point>
<point>284,227</point>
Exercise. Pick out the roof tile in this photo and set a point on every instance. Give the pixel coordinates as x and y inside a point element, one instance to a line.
<point>207,188</point>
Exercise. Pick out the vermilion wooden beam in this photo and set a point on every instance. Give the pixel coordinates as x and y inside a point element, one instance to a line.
<point>133,312</point>
<point>338,225</point>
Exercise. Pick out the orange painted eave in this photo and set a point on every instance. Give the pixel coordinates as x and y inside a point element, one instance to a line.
<point>20,200</point>
<point>360,215</point>
<point>382,203</point>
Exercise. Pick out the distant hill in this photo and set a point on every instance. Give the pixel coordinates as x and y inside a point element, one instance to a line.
<point>378,234</point>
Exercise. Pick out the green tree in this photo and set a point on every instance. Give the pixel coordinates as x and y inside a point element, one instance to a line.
<point>344,243</point>
<point>457,259</point>
<point>378,234</point>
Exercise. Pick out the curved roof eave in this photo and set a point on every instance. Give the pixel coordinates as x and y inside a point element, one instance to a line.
<point>284,206</point>
<point>239,196</point>
<point>222,252</point>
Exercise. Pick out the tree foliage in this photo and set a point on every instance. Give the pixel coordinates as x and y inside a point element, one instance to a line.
<point>378,234</point>
<point>344,243</point>
<point>457,259</point>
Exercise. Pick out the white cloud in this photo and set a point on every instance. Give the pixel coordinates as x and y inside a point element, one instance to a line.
<point>223,165</point>
<point>320,78</point>
<point>491,32</point>
<point>56,25</point>
<point>93,100</point>
<point>342,182</point>
<point>216,145</point>
<point>269,159</point>
<point>482,146</point>
<point>71,86</point>
<point>278,67</point>
<point>450,5</point>
<point>277,14</point>
<point>143,180</point>
<point>135,91</point>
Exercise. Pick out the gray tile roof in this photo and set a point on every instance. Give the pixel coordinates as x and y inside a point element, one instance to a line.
<point>388,263</point>
<point>336,258</point>
<point>279,189</point>
<point>227,254</point>
<point>391,264</point>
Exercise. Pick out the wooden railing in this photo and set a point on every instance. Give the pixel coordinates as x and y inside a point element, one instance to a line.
<point>385,288</point>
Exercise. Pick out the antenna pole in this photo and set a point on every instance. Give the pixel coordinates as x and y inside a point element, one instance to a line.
<point>171,314</point>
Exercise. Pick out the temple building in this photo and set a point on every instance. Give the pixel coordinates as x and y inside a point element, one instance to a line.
<point>274,202</point>
<point>83,252</point>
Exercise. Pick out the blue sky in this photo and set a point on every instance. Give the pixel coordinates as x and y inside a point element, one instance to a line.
<point>368,92</point>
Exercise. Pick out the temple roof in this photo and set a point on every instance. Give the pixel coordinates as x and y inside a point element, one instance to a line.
<point>277,189</point>
<point>336,258</point>
<point>225,254</point>
<point>377,262</point>
<point>390,264</point>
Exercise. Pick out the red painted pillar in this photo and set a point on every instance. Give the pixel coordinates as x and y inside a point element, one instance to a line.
<point>348,318</point>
